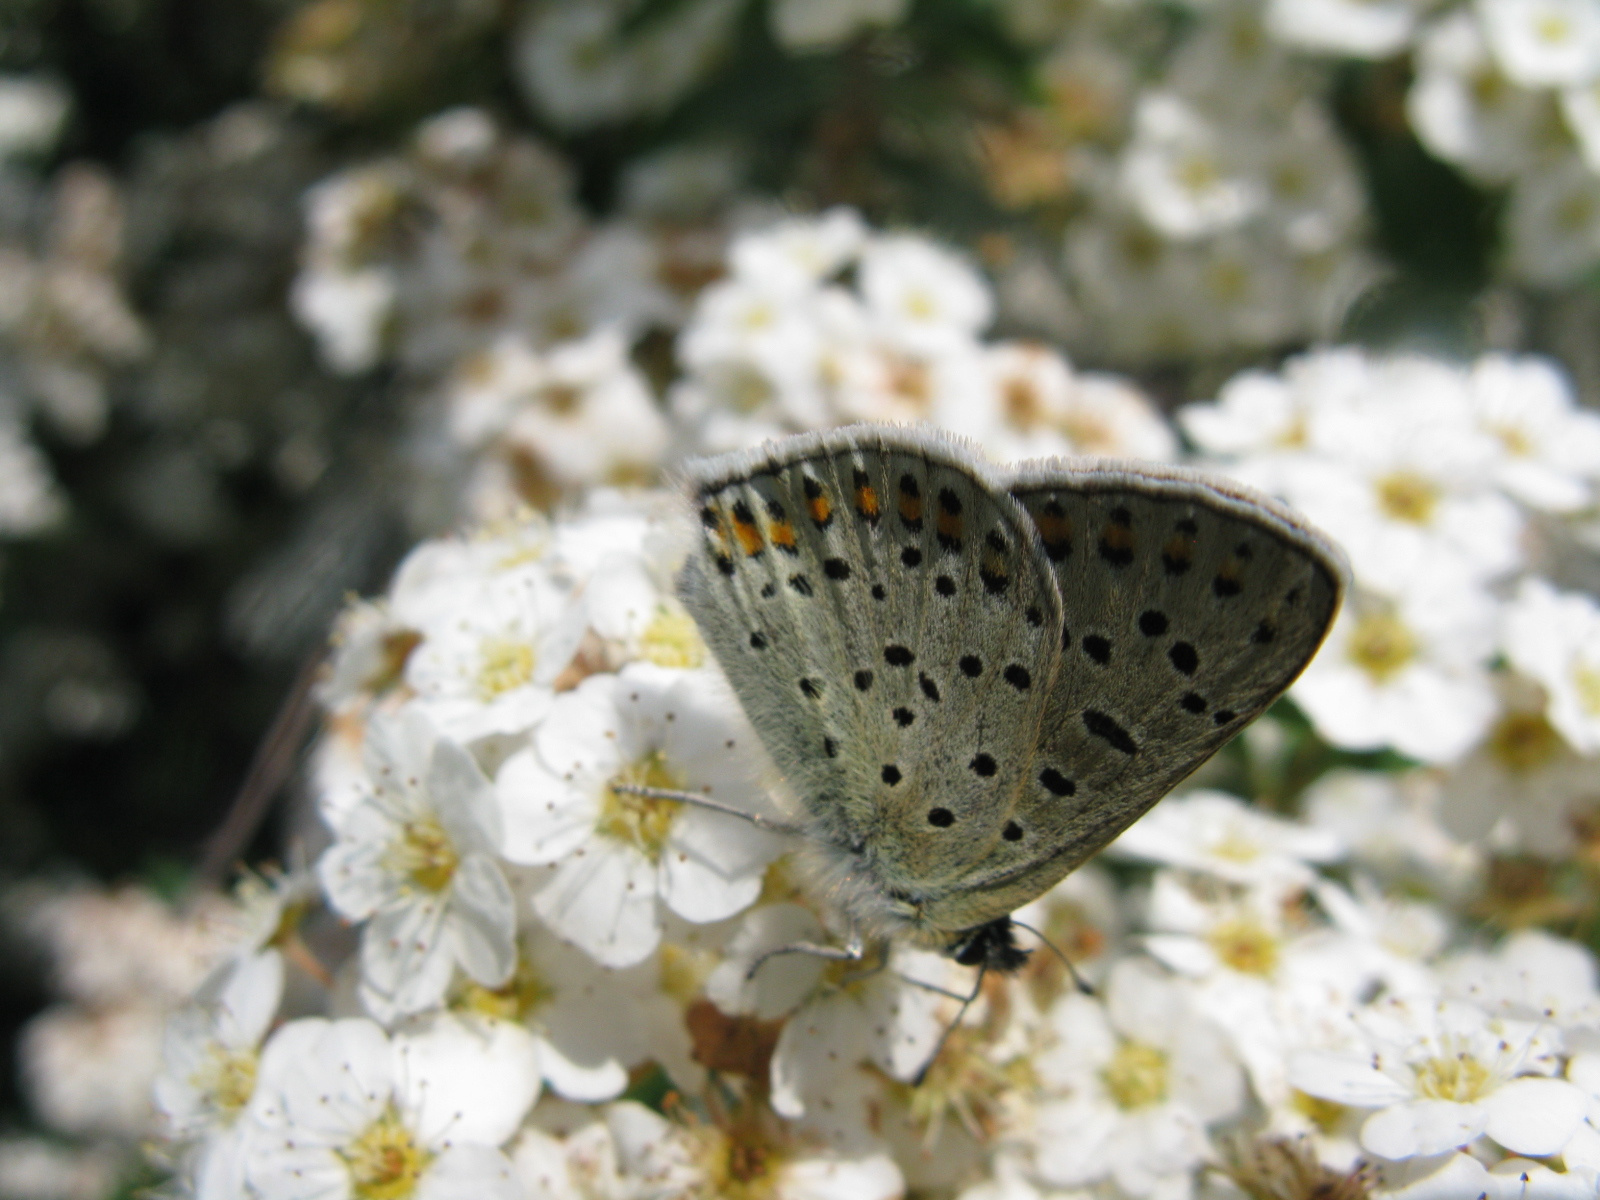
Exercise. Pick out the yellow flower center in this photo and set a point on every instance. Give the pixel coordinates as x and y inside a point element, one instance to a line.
<point>1459,1077</point>
<point>503,666</point>
<point>516,1000</point>
<point>1586,680</point>
<point>562,399</point>
<point>758,316</point>
<point>1137,1075</point>
<point>1229,281</point>
<point>1234,846</point>
<point>672,640</point>
<point>740,1166</point>
<point>1198,173</point>
<point>920,305</point>
<point>684,969</point>
<point>1245,945</point>
<point>228,1077</point>
<point>385,1161</point>
<point>1524,741</point>
<point>1554,28</point>
<point>1326,1115</point>
<point>1381,644</point>
<point>425,855</point>
<point>1407,496</point>
<point>1516,440</point>
<point>642,821</point>
<point>1021,401</point>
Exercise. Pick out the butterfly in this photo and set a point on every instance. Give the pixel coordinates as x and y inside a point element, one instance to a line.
<point>974,679</point>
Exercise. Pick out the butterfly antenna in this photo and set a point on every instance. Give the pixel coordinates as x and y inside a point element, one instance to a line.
<point>966,1003</point>
<point>699,801</point>
<point>1082,984</point>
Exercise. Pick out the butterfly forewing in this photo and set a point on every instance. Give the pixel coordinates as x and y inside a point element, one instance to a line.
<point>890,625</point>
<point>1188,607</point>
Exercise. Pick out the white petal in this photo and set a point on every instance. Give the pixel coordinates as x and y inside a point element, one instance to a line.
<point>475,1172</point>
<point>817,1043</point>
<point>482,920</point>
<point>1344,1079</point>
<point>468,1081</point>
<point>1534,1116</point>
<point>1422,1127</point>
<point>604,902</point>
<point>873,1178</point>
<point>406,959</point>
<point>605,1080</point>
<point>463,798</point>
<point>698,890</point>
<point>543,817</point>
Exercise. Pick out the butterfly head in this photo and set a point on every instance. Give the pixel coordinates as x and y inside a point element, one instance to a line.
<point>992,946</point>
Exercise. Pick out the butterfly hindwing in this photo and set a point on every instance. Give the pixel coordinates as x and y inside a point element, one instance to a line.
<point>889,624</point>
<point>1188,607</point>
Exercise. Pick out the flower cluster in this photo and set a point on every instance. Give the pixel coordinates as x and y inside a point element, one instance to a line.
<point>821,322</point>
<point>563,988</point>
<point>1455,492</point>
<point>1505,90</point>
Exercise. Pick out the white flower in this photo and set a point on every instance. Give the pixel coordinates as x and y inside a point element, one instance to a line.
<point>1177,173</point>
<point>1141,1076</point>
<point>1552,226</point>
<point>858,1015</point>
<point>347,1113</point>
<point>580,412</point>
<point>1523,787</point>
<point>801,252</point>
<point>210,1059</point>
<point>1400,481</point>
<point>1357,28</point>
<point>87,1071</point>
<point>672,1161</point>
<point>920,296</point>
<point>1391,825</point>
<point>577,1013</point>
<point>1219,835</point>
<point>615,854</point>
<point>495,632</point>
<point>812,25</point>
<point>1549,449</point>
<point>1440,1075</point>
<point>30,501</point>
<point>1530,976</point>
<point>348,310</point>
<point>1554,637</point>
<point>1407,674</point>
<point>415,859</point>
<point>1544,43</point>
<point>32,112</point>
<point>1465,111</point>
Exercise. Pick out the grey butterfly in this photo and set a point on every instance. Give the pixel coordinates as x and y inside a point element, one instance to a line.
<point>972,680</point>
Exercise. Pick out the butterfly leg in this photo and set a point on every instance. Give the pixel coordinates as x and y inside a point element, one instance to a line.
<point>852,951</point>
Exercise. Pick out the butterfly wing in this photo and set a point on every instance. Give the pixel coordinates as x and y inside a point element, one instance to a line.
<point>1189,605</point>
<point>890,624</point>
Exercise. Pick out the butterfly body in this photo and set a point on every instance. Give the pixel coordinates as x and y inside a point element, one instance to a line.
<point>972,680</point>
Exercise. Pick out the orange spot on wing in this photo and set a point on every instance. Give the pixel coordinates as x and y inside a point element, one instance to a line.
<point>1053,529</point>
<point>821,510</point>
<point>949,525</point>
<point>747,533</point>
<point>782,535</point>
<point>910,507</point>
<point>867,501</point>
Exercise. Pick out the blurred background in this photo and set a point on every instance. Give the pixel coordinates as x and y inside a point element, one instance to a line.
<point>249,247</point>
